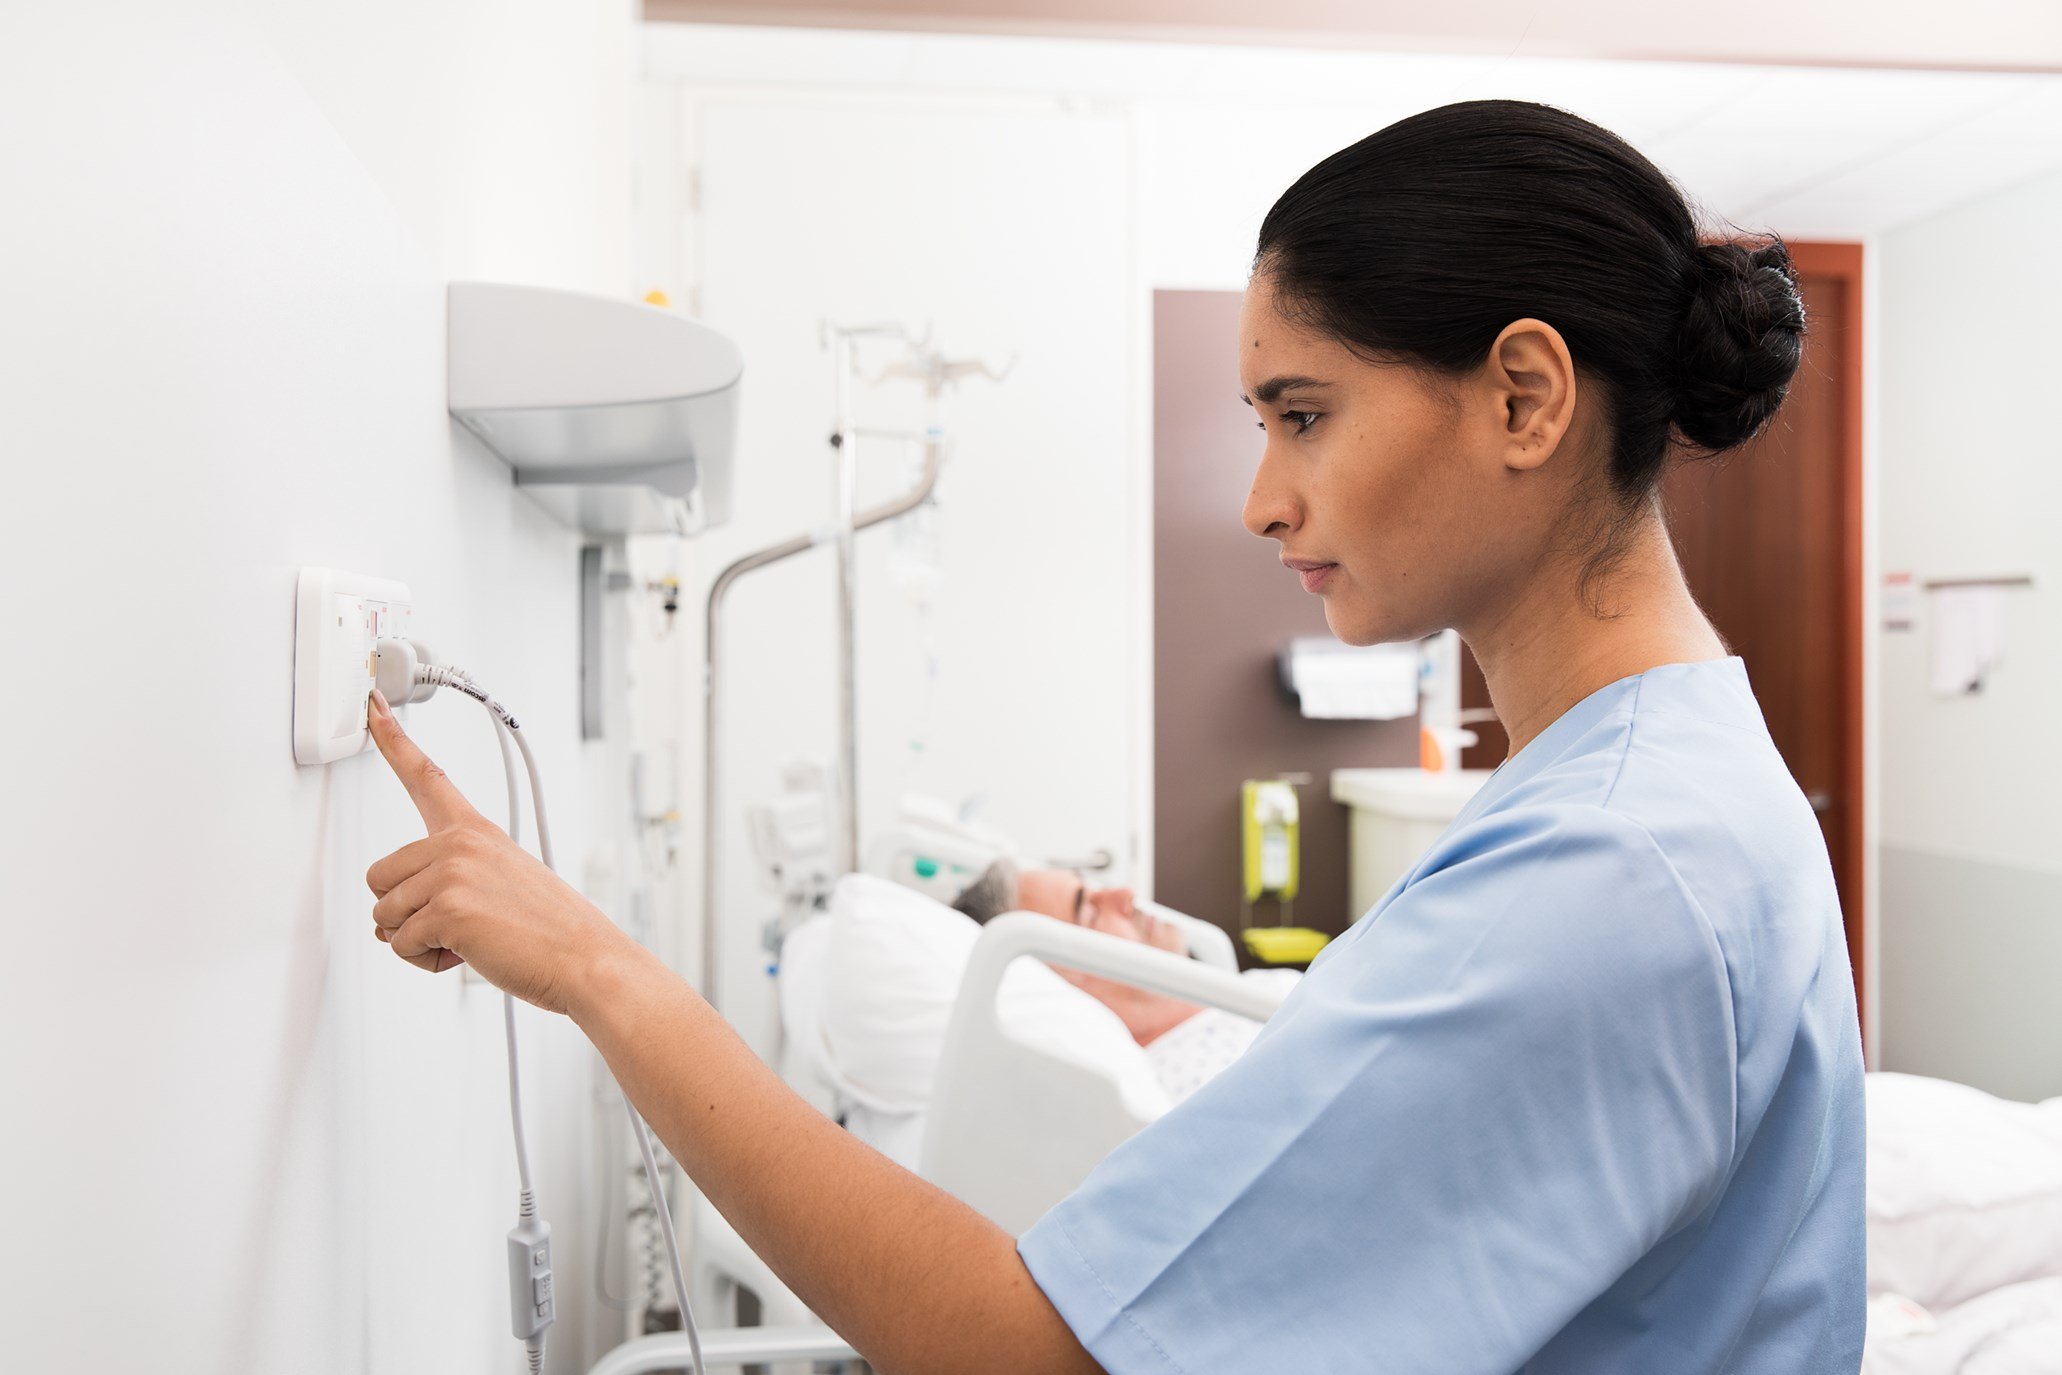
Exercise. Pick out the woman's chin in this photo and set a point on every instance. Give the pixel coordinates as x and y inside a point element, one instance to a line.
<point>1357,627</point>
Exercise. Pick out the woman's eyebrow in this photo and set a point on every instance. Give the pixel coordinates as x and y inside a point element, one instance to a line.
<point>1273,387</point>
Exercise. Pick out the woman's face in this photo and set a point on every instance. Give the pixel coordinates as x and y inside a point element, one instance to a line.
<point>1403,496</point>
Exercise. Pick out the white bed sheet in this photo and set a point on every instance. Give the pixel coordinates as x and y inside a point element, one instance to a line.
<point>2016,1330</point>
<point>1964,1191</point>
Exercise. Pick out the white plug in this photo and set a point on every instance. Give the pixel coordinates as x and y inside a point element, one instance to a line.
<point>397,671</point>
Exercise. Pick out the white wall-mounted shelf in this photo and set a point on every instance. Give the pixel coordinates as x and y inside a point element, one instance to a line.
<point>620,417</point>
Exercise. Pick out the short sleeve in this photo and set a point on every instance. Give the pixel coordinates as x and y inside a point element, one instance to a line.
<point>1485,1102</point>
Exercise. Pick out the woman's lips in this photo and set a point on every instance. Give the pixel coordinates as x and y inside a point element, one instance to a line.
<point>1311,572</point>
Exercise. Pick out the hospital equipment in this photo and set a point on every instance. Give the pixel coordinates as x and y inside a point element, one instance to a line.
<point>1269,840</point>
<point>937,372</point>
<point>792,837</point>
<point>617,416</point>
<point>934,850</point>
<point>1270,849</point>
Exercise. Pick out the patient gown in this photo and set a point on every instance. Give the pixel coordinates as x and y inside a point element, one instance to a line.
<point>1583,1092</point>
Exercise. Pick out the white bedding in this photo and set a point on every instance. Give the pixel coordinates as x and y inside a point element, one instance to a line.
<point>1965,1231</point>
<point>1192,1053</point>
<point>1964,1190</point>
<point>2016,1330</point>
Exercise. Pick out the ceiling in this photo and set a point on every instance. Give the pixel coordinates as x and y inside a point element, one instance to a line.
<point>1991,35</point>
<point>1819,152</point>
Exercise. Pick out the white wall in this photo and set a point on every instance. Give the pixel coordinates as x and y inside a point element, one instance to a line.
<point>1971,485</point>
<point>240,1135</point>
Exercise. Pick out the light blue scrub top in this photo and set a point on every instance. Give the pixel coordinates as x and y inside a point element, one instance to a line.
<point>1582,1093</point>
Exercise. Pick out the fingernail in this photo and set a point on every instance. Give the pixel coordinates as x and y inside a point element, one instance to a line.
<point>379,705</point>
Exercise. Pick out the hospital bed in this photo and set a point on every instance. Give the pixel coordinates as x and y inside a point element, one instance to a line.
<point>1011,1126</point>
<point>1012,1130</point>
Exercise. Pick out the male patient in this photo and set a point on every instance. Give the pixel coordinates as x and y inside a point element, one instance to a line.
<point>1065,896</point>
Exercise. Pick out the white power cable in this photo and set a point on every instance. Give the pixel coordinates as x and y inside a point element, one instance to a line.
<point>524,1305</point>
<point>508,728</point>
<point>658,1188</point>
<point>508,1018</point>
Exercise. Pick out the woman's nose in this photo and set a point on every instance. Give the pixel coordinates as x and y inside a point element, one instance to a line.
<point>1271,511</point>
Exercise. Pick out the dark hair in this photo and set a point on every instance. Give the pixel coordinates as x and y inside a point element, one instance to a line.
<point>1419,243</point>
<point>991,894</point>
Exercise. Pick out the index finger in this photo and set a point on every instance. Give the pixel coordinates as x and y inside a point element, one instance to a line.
<point>432,791</point>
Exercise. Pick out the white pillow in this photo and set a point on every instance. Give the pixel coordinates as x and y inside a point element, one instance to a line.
<point>1964,1190</point>
<point>804,958</point>
<point>894,962</point>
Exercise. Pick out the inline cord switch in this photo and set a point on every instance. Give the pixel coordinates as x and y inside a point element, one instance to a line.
<point>530,1303</point>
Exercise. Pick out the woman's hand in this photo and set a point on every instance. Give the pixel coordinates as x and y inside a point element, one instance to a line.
<point>467,894</point>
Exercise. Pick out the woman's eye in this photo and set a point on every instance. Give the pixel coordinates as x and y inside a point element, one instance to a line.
<point>1302,420</point>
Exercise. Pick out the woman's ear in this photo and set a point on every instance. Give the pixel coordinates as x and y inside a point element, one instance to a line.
<point>1532,375</point>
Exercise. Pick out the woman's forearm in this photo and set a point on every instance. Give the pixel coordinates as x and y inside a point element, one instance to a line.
<point>917,1281</point>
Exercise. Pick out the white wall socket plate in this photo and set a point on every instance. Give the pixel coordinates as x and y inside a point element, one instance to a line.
<point>338,617</point>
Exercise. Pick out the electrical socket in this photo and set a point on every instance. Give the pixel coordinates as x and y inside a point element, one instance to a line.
<point>338,618</point>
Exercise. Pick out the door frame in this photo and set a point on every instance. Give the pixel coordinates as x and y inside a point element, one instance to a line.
<point>1846,262</point>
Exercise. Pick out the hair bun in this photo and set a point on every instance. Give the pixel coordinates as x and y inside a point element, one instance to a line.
<point>1740,344</point>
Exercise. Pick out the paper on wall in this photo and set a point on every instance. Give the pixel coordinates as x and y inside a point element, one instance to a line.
<point>1334,681</point>
<point>1968,636</point>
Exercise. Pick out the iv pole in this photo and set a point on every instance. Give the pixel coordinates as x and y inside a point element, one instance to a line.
<point>936,373</point>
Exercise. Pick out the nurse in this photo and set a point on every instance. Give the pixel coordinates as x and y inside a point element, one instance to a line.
<point>1584,1091</point>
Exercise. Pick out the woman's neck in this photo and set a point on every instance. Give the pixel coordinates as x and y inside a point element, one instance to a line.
<point>1557,641</point>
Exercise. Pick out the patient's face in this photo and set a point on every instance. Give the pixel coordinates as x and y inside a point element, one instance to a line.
<point>1059,893</point>
<point>1066,896</point>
